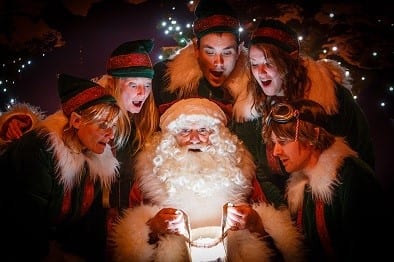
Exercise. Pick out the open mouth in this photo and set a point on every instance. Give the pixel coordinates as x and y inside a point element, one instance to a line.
<point>194,150</point>
<point>217,73</point>
<point>137,103</point>
<point>266,83</point>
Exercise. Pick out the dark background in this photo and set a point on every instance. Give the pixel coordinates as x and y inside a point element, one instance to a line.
<point>77,37</point>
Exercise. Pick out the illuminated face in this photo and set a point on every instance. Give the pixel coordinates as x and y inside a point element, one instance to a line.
<point>217,56</point>
<point>265,72</point>
<point>134,91</point>
<point>293,155</point>
<point>194,138</point>
<point>95,135</point>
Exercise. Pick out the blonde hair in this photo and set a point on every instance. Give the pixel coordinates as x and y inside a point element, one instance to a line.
<point>145,123</point>
<point>93,114</point>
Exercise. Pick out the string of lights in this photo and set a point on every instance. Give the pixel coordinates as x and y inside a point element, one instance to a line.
<point>364,64</point>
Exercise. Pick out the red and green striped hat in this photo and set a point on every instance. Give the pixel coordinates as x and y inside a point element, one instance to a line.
<point>78,94</point>
<point>131,59</point>
<point>215,16</point>
<point>275,32</point>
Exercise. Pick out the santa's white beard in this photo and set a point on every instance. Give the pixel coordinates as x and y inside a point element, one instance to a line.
<point>200,183</point>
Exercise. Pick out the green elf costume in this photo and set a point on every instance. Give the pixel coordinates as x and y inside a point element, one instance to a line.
<point>329,86</point>
<point>129,60</point>
<point>334,196</point>
<point>53,192</point>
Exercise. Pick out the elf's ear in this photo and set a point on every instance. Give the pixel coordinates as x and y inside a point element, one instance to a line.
<point>75,120</point>
<point>196,46</point>
<point>241,47</point>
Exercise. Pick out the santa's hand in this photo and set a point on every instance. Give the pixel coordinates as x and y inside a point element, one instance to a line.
<point>167,221</point>
<point>243,216</point>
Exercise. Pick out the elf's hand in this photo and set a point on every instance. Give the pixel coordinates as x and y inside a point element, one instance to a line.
<point>16,126</point>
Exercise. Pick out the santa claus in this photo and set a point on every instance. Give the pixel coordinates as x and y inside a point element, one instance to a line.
<point>196,177</point>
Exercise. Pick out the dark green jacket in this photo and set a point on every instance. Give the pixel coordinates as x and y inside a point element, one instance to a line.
<point>55,195</point>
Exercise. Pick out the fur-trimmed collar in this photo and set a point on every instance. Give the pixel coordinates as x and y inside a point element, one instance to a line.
<point>322,178</point>
<point>70,164</point>
<point>184,82</point>
<point>324,76</point>
<point>34,113</point>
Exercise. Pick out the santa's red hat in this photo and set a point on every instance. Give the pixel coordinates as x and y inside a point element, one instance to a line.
<point>185,112</point>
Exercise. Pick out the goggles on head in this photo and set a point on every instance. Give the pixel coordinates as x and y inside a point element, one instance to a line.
<point>283,113</point>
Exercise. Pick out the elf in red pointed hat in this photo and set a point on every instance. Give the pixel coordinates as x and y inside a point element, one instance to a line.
<point>59,170</point>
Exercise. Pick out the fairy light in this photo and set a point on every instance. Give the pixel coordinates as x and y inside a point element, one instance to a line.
<point>171,27</point>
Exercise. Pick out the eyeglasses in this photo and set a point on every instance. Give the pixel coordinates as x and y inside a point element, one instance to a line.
<point>283,113</point>
<point>201,131</point>
<point>105,125</point>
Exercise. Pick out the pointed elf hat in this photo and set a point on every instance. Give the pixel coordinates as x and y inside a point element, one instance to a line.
<point>78,94</point>
<point>131,59</point>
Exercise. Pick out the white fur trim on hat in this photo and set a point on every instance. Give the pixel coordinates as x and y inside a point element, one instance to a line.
<point>192,110</point>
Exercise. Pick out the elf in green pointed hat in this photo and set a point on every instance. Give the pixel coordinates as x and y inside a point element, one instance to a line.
<point>129,78</point>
